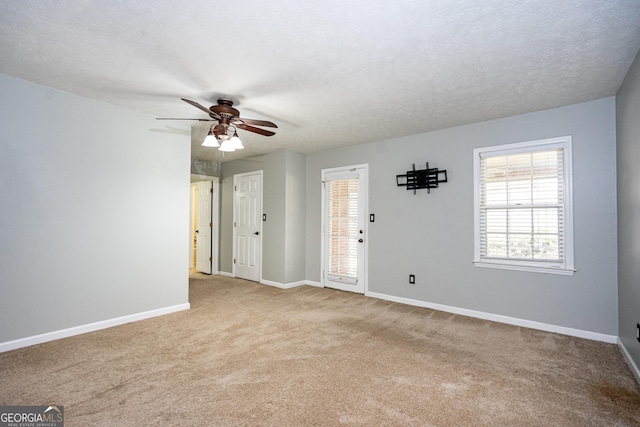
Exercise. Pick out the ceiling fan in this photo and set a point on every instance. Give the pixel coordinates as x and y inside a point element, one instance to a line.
<point>227,118</point>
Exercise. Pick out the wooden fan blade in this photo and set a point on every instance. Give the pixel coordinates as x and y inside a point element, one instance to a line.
<point>213,114</point>
<point>195,104</point>
<point>255,130</point>
<point>200,120</point>
<point>257,122</point>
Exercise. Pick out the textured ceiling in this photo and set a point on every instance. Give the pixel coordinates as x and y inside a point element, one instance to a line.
<point>331,73</point>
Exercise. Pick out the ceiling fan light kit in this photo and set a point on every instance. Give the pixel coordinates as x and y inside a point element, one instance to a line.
<point>227,117</point>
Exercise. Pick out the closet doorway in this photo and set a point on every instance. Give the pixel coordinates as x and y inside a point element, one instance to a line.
<point>203,235</point>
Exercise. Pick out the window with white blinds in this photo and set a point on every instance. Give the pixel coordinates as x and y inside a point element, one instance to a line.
<point>342,198</point>
<point>523,206</point>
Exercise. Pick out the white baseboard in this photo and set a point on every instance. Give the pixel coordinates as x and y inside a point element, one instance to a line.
<point>312,283</point>
<point>91,327</point>
<point>289,285</point>
<point>280,285</point>
<point>630,361</point>
<point>596,336</point>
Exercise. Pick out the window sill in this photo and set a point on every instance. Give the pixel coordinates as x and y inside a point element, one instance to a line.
<point>528,268</point>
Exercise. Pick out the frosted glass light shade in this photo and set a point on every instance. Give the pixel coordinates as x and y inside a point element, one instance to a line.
<point>235,142</point>
<point>227,145</point>
<point>210,141</point>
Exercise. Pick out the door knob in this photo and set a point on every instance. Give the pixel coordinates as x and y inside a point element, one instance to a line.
<point>257,233</point>
<point>360,240</point>
<point>197,231</point>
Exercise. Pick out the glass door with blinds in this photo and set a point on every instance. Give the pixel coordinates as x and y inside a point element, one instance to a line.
<point>344,228</point>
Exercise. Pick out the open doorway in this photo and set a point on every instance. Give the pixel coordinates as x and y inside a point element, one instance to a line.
<point>204,224</point>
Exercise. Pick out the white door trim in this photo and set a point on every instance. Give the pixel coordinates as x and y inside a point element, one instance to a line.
<point>365,223</point>
<point>236,177</point>
<point>215,229</point>
<point>204,225</point>
<point>192,260</point>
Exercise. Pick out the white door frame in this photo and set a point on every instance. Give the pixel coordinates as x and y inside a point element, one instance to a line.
<point>236,177</point>
<point>215,221</point>
<point>204,227</point>
<point>365,223</point>
<point>192,187</point>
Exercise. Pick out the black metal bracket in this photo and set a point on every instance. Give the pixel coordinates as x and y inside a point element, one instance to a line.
<point>424,178</point>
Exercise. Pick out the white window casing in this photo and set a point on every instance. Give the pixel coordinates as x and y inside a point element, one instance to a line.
<point>523,206</point>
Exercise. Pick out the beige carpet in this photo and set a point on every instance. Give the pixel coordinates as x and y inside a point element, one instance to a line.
<point>252,355</point>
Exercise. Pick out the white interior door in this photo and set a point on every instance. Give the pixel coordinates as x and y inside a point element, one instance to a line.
<point>344,209</point>
<point>204,227</point>
<point>248,226</point>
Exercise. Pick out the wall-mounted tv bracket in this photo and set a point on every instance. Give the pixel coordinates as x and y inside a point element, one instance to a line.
<point>424,178</point>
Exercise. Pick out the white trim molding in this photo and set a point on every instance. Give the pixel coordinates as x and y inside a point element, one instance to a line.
<point>531,269</point>
<point>282,285</point>
<point>595,336</point>
<point>290,285</point>
<point>312,283</point>
<point>90,327</point>
<point>627,356</point>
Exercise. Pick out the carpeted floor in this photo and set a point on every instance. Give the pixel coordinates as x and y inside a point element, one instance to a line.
<point>252,355</point>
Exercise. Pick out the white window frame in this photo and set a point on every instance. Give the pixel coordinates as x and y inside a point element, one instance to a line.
<point>566,267</point>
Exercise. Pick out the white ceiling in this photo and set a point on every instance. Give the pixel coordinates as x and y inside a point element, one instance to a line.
<point>330,73</point>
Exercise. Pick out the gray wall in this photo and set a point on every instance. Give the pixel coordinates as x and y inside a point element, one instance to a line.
<point>628,134</point>
<point>283,201</point>
<point>431,235</point>
<point>295,212</point>
<point>94,212</point>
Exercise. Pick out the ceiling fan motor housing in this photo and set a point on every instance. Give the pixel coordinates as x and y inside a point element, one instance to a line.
<point>225,110</point>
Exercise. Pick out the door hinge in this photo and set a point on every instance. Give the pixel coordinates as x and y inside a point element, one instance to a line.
<point>210,224</point>
<point>235,188</point>
<point>210,259</point>
<point>211,190</point>
<point>234,260</point>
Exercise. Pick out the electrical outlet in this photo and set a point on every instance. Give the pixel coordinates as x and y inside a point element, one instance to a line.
<point>638,331</point>
<point>412,279</point>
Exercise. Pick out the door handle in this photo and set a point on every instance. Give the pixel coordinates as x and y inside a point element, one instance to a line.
<point>257,233</point>
<point>197,231</point>
<point>360,240</point>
